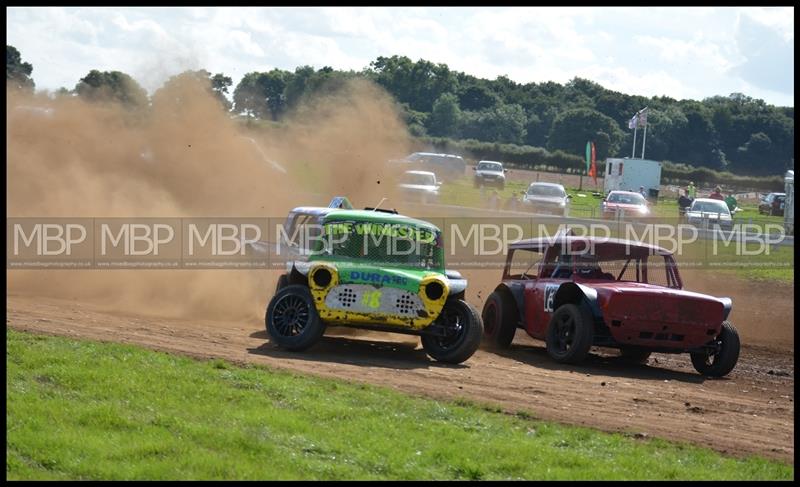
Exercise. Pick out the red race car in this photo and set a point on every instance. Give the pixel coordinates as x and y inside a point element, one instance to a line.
<point>578,292</point>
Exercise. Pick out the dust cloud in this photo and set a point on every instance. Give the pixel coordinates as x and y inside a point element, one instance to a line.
<point>184,156</point>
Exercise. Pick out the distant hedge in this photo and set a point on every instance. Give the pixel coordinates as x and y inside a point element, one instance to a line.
<point>682,174</point>
<point>540,159</point>
<point>515,156</point>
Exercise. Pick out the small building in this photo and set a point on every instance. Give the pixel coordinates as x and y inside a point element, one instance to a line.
<point>628,174</point>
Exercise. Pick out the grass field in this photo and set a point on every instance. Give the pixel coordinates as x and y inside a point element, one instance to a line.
<point>87,410</point>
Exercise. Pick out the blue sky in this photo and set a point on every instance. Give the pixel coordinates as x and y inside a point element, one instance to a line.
<point>674,51</point>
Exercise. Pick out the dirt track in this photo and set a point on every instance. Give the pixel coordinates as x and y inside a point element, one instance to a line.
<point>749,412</point>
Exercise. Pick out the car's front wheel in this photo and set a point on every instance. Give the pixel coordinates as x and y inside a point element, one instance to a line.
<point>570,334</point>
<point>462,333</point>
<point>722,360</point>
<point>292,320</point>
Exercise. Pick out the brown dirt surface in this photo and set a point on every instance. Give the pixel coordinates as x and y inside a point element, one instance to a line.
<point>749,412</point>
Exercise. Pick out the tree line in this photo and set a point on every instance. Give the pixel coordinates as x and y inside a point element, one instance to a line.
<point>733,133</point>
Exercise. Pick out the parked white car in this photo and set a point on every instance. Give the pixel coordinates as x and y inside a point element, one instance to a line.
<point>420,186</point>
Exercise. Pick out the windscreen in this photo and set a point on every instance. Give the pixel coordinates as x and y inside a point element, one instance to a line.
<point>710,207</point>
<point>546,190</point>
<point>419,179</point>
<point>489,166</point>
<point>396,244</point>
<point>626,199</point>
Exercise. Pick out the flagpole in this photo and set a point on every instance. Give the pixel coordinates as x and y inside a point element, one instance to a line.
<point>644,139</point>
<point>633,153</point>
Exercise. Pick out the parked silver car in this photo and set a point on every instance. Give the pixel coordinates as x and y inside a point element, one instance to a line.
<point>490,173</point>
<point>709,213</point>
<point>547,198</point>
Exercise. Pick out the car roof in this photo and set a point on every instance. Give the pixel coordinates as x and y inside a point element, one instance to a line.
<point>436,154</point>
<point>618,191</point>
<point>493,162</point>
<point>536,183</point>
<point>421,172</point>
<point>706,200</point>
<point>376,217</point>
<point>542,243</point>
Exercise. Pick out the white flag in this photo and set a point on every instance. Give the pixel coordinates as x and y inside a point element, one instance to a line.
<point>632,122</point>
<point>643,119</point>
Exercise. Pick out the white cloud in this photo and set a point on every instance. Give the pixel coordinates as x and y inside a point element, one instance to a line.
<point>780,19</point>
<point>678,52</point>
<point>243,40</point>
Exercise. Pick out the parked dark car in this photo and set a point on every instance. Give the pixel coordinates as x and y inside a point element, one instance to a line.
<point>772,204</point>
<point>446,166</point>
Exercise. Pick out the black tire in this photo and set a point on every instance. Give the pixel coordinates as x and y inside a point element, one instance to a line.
<point>500,319</point>
<point>292,320</point>
<point>719,364</point>
<point>283,281</point>
<point>570,334</point>
<point>464,320</point>
<point>634,355</point>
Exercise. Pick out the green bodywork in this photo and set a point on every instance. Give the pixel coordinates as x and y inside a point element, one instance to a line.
<point>360,230</point>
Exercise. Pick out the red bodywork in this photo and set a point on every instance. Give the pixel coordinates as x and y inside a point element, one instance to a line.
<point>635,310</point>
<point>611,208</point>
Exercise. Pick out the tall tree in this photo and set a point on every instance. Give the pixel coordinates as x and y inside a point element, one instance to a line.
<point>573,128</point>
<point>112,86</point>
<point>18,73</point>
<point>220,84</point>
<point>503,123</point>
<point>445,116</point>
<point>181,85</point>
<point>262,94</point>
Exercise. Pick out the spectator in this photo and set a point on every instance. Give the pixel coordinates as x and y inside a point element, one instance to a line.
<point>642,192</point>
<point>691,191</point>
<point>731,202</point>
<point>684,201</point>
<point>717,194</point>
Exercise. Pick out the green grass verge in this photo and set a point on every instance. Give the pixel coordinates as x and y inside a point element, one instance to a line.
<point>87,410</point>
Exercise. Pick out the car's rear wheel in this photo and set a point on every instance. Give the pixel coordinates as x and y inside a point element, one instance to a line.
<point>721,361</point>
<point>292,320</point>
<point>635,355</point>
<point>570,334</point>
<point>500,319</point>
<point>463,329</point>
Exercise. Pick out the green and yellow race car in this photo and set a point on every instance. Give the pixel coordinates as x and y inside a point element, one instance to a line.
<point>371,269</point>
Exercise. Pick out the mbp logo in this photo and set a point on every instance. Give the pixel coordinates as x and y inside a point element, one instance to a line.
<point>228,242</point>
<point>126,242</point>
<point>222,239</point>
<point>137,239</point>
<point>32,242</point>
<point>49,239</point>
